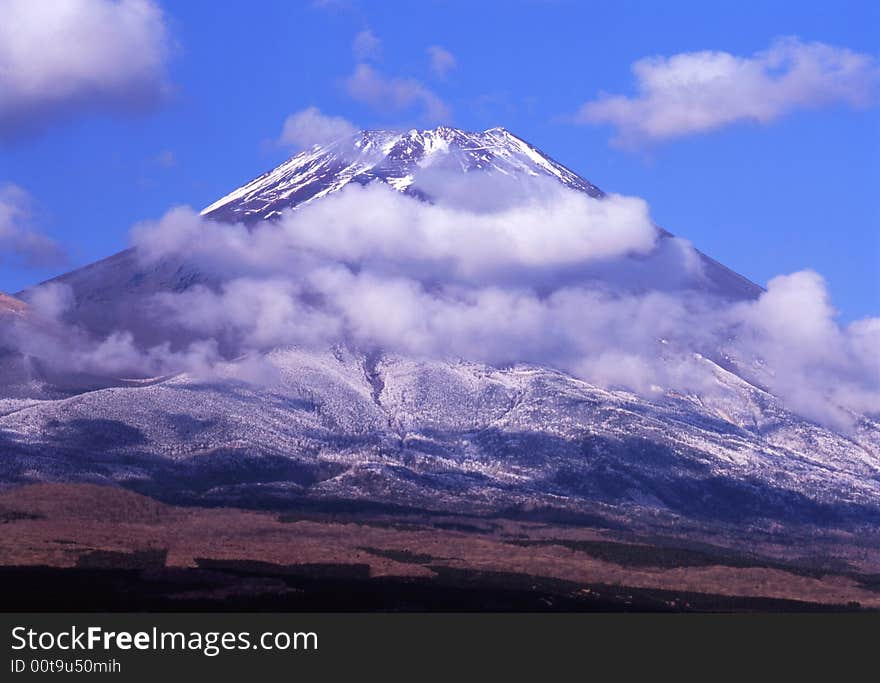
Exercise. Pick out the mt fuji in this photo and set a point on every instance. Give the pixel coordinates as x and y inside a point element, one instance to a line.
<point>342,424</point>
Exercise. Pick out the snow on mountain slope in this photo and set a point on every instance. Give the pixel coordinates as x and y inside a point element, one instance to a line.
<point>450,436</point>
<point>391,157</point>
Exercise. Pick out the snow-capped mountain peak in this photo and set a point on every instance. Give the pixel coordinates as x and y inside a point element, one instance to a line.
<point>392,157</point>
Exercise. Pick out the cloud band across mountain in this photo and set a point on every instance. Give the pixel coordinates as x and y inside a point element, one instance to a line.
<point>383,270</point>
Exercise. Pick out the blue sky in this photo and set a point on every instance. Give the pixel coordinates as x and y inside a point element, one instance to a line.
<point>798,191</point>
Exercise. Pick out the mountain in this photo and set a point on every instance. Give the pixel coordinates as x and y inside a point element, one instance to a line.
<point>379,429</point>
<point>390,157</point>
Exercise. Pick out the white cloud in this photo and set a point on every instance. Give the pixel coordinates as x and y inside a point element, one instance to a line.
<point>310,127</point>
<point>66,56</point>
<point>396,233</point>
<point>391,230</point>
<point>442,61</point>
<point>51,300</point>
<point>259,312</point>
<point>394,94</point>
<point>695,92</point>
<point>815,364</point>
<point>366,46</point>
<point>18,238</point>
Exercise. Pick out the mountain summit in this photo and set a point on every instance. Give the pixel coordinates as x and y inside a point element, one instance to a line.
<point>390,157</point>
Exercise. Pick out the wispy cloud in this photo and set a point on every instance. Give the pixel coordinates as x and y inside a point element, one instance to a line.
<point>366,46</point>
<point>61,58</point>
<point>18,238</point>
<point>442,61</point>
<point>310,127</point>
<point>696,92</point>
<point>394,94</point>
<point>546,276</point>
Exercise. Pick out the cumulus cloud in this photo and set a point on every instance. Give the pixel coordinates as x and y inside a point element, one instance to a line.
<point>393,94</point>
<point>389,228</point>
<point>118,354</point>
<point>495,324</point>
<point>396,233</point>
<point>696,92</point>
<point>50,300</point>
<point>18,238</point>
<point>68,56</point>
<point>817,365</point>
<point>258,313</point>
<point>310,127</point>
<point>44,333</point>
<point>366,46</point>
<point>442,61</point>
